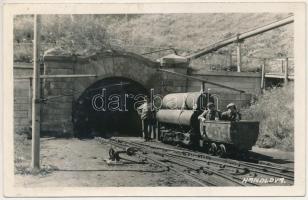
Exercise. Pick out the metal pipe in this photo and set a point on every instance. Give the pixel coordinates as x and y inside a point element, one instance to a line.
<point>286,71</point>
<point>60,76</point>
<point>241,37</point>
<point>215,96</point>
<point>263,75</point>
<point>159,51</point>
<point>201,80</point>
<point>30,102</point>
<point>238,57</point>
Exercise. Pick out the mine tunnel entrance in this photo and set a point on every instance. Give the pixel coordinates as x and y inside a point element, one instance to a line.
<point>108,108</point>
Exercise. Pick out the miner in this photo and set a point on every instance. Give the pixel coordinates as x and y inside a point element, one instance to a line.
<point>231,114</point>
<point>210,113</point>
<point>146,114</point>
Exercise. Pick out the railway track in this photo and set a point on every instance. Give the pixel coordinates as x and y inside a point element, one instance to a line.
<point>188,172</point>
<point>206,170</point>
<point>283,172</point>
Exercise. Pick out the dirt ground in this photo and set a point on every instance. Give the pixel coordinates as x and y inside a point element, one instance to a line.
<point>74,162</point>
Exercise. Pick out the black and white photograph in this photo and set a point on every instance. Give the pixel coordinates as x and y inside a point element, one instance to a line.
<point>151,99</point>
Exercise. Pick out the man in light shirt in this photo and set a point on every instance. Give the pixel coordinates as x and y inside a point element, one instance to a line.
<point>147,118</point>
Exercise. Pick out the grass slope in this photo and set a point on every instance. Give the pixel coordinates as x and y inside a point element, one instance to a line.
<point>145,33</point>
<point>275,111</point>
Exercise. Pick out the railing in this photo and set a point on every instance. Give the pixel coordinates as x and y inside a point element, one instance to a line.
<point>283,70</point>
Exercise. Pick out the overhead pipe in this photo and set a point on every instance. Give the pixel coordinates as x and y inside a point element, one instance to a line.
<point>241,37</point>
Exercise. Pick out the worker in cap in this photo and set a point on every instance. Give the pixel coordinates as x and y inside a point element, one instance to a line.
<point>231,114</point>
<point>210,113</point>
<point>210,104</point>
<point>231,105</point>
<point>146,114</point>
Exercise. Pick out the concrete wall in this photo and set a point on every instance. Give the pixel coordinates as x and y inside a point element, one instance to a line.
<point>22,102</point>
<point>56,114</point>
<point>56,118</point>
<point>248,82</point>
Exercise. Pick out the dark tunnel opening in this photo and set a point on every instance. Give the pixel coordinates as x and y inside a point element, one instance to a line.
<point>108,108</point>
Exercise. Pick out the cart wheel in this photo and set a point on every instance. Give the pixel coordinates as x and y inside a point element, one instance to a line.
<point>206,148</point>
<point>213,149</point>
<point>221,151</point>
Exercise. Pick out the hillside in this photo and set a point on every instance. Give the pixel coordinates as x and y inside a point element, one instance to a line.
<point>186,33</point>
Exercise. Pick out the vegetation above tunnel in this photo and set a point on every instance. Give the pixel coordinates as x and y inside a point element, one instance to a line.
<point>187,33</point>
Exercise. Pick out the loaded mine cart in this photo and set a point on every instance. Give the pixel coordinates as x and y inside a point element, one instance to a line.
<point>226,137</point>
<point>178,124</point>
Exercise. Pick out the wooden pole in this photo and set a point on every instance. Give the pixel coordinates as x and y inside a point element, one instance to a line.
<point>263,75</point>
<point>202,87</point>
<point>153,130</point>
<point>286,71</point>
<point>239,58</point>
<point>230,58</point>
<point>44,80</point>
<point>36,97</point>
<point>30,102</point>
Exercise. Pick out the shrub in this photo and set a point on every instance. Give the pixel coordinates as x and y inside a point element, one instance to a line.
<point>274,109</point>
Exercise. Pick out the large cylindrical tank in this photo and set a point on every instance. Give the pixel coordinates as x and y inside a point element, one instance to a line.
<point>178,117</point>
<point>186,101</point>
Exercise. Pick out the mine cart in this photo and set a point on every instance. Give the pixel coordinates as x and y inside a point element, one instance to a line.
<point>237,135</point>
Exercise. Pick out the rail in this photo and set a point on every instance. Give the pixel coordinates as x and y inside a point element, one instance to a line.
<point>203,169</point>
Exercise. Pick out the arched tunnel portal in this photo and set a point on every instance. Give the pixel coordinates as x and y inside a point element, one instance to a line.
<point>108,108</point>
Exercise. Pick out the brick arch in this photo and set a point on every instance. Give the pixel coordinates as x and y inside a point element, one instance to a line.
<point>117,64</point>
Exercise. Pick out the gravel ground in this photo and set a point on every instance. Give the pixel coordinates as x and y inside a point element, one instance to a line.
<point>74,162</point>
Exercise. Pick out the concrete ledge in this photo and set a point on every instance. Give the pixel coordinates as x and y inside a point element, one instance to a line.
<point>234,74</point>
<point>99,54</point>
<point>60,58</point>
